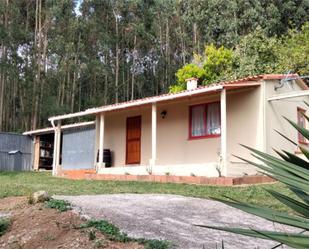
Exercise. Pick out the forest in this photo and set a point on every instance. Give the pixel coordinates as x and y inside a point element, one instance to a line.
<point>61,56</point>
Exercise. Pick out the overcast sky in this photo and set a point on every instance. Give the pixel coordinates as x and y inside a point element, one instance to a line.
<point>78,3</point>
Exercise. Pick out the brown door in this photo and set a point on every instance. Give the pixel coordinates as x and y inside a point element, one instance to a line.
<point>133,140</point>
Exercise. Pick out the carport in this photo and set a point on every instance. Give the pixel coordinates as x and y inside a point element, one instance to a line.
<point>76,146</point>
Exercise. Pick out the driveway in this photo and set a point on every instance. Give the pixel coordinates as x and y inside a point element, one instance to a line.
<point>171,217</point>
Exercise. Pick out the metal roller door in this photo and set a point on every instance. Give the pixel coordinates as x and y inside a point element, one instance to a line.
<point>78,149</point>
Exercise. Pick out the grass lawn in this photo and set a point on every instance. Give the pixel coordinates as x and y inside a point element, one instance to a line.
<point>24,183</point>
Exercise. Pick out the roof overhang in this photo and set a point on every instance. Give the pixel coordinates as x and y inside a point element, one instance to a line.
<point>140,102</point>
<point>289,95</point>
<point>242,85</point>
<point>51,129</point>
<point>155,99</point>
<point>251,81</point>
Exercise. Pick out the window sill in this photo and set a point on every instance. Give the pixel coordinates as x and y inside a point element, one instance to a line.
<point>203,137</point>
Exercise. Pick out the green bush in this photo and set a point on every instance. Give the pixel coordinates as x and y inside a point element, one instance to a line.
<point>110,230</point>
<point>213,65</point>
<point>217,63</point>
<point>156,244</point>
<point>177,88</point>
<point>293,172</point>
<point>60,205</point>
<point>189,71</point>
<point>113,233</point>
<point>4,225</point>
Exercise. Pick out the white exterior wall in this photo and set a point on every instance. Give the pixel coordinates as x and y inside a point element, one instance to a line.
<point>275,110</point>
<point>251,120</point>
<point>176,154</point>
<point>115,134</point>
<point>244,112</point>
<point>256,120</point>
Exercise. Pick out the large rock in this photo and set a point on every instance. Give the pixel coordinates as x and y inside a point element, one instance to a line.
<point>40,196</point>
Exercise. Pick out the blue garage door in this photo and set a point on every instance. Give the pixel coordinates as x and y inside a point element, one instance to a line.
<point>78,148</point>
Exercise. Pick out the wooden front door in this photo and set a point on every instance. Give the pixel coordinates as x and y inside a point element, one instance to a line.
<point>133,140</point>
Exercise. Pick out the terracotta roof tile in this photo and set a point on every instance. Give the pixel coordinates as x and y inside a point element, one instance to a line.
<point>149,100</point>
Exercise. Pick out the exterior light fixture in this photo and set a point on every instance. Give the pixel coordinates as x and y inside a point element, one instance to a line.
<point>163,114</point>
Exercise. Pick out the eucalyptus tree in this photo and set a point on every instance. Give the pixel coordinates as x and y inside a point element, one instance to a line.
<point>57,59</point>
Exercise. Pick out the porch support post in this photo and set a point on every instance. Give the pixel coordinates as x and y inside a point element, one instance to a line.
<point>55,152</point>
<point>57,142</point>
<point>97,139</point>
<point>223,133</point>
<point>101,140</point>
<point>153,134</point>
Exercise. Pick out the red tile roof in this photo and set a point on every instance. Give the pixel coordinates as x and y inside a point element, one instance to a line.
<point>244,82</point>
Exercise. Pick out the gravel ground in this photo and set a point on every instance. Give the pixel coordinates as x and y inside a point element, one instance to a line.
<point>4,215</point>
<point>172,217</point>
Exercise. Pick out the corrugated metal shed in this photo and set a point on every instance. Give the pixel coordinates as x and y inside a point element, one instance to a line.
<point>78,148</point>
<point>15,152</point>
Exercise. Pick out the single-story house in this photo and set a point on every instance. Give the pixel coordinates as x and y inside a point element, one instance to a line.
<point>194,132</point>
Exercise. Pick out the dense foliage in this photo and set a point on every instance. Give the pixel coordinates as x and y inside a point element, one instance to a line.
<point>255,54</point>
<point>68,55</point>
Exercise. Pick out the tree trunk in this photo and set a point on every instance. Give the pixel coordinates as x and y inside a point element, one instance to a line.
<point>167,55</point>
<point>75,74</point>
<point>117,58</point>
<point>44,60</point>
<point>105,89</point>
<point>38,53</point>
<point>133,73</point>
<point>2,86</point>
<point>2,70</point>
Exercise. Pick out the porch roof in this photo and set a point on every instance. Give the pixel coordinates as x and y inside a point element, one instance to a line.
<point>50,130</point>
<point>234,84</point>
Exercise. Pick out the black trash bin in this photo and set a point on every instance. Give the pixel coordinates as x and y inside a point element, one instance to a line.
<point>107,158</point>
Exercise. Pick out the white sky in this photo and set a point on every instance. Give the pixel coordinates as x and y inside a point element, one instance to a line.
<point>78,3</point>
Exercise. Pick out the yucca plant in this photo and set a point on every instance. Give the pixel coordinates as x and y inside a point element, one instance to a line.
<point>293,172</point>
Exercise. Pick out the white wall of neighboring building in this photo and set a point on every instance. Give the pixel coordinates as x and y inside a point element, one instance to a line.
<point>276,110</point>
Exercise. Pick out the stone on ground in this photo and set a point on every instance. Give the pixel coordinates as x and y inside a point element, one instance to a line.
<point>40,196</point>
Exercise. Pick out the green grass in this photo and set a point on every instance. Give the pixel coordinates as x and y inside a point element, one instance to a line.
<point>113,233</point>
<point>25,183</point>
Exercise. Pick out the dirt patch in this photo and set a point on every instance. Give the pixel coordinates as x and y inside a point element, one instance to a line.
<point>34,226</point>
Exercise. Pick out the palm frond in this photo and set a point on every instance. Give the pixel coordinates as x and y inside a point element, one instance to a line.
<point>292,171</point>
<point>295,205</point>
<point>268,214</point>
<point>300,241</point>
